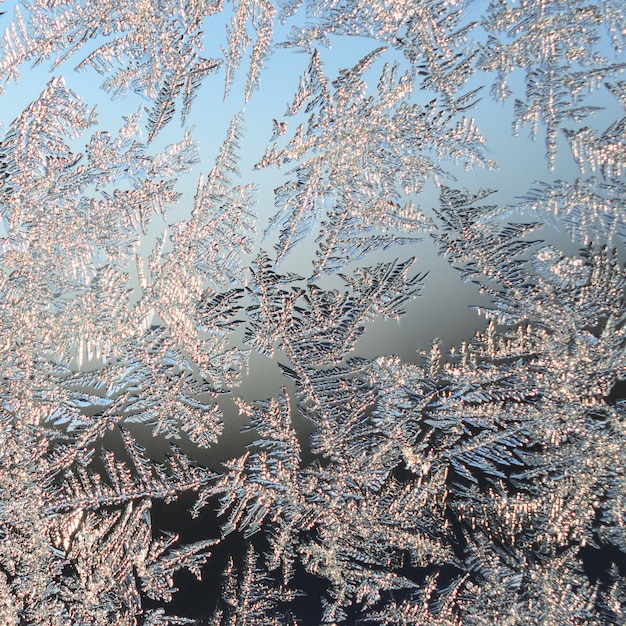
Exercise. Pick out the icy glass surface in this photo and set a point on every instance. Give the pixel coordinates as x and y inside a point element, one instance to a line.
<point>312,312</point>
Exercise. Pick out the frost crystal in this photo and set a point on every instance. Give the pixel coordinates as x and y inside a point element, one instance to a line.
<point>482,484</point>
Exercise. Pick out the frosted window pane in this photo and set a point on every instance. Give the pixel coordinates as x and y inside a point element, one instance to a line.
<point>312,312</point>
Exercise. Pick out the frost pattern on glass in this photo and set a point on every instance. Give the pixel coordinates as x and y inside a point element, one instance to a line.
<point>471,486</point>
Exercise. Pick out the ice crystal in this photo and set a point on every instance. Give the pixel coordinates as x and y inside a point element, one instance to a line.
<point>473,485</point>
<point>549,41</point>
<point>343,158</point>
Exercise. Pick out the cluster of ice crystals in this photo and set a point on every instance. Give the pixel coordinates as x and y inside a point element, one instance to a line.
<point>467,488</point>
